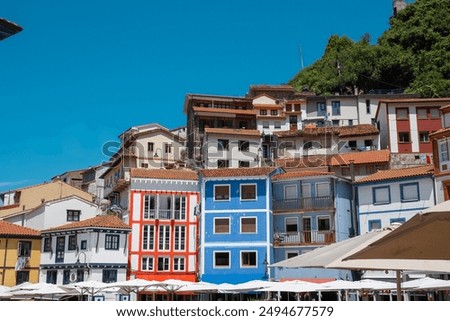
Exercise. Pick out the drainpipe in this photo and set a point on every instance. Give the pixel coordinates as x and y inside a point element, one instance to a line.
<point>354,215</point>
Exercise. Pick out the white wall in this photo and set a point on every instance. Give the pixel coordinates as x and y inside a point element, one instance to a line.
<point>54,213</point>
<point>396,208</point>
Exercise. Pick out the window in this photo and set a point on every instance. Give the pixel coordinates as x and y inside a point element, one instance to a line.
<point>402,113</point>
<point>400,220</point>
<point>244,164</point>
<point>150,147</point>
<point>368,111</point>
<point>443,146</point>
<point>336,108</point>
<point>167,148</point>
<point>422,113</point>
<point>434,113</point>
<point>180,238</point>
<point>322,189</point>
<point>277,125</point>
<point>222,144</point>
<point>263,112</point>
<point>223,163</point>
<point>293,120</point>
<point>164,237</point>
<point>66,276</point>
<point>291,224</point>
<point>265,124</point>
<point>73,215</point>
<point>221,192</point>
<point>244,146</point>
<point>424,137</point>
<point>274,112</point>
<point>144,165</point>
<point>80,275</point>
<point>374,225</point>
<point>83,245</point>
<point>149,206</point>
<point>178,264</point>
<point>221,225</point>
<point>381,195</point>
<point>335,122</point>
<point>291,254</point>
<point>248,224</point>
<point>111,242</point>
<point>47,244</point>
<point>163,264</point>
<point>24,249</point>
<point>242,124</point>
<point>290,192</point>
<point>72,244</point>
<point>321,109</point>
<point>403,137</point>
<point>248,192</point>
<point>147,263</point>
<point>306,190</point>
<point>221,259</point>
<point>323,223</point>
<point>350,122</point>
<point>248,259</point>
<point>109,275</point>
<point>180,207</point>
<point>51,276</point>
<point>409,192</point>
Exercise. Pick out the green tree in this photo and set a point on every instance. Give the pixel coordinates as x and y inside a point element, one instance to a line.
<point>413,54</point>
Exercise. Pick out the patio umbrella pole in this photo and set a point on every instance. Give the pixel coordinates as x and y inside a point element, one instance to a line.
<point>399,285</point>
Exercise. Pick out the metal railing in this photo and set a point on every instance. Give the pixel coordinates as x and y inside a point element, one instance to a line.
<point>305,203</point>
<point>305,237</point>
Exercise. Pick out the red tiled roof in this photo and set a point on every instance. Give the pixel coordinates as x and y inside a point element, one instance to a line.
<point>9,229</point>
<point>366,157</point>
<point>389,174</point>
<point>101,221</point>
<point>224,110</point>
<point>175,174</point>
<point>237,172</point>
<point>343,131</point>
<point>299,174</point>
<point>358,130</point>
<point>440,132</point>
<point>230,131</point>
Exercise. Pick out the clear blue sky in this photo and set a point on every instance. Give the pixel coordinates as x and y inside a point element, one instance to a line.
<point>81,72</point>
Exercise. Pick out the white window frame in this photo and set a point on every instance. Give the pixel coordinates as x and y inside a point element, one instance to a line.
<point>177,261</point>
<point>221,266</point>
<point>229,193</point>
<point>256,224</point>
<point>285,194</point>
<point>179,238</point>
<point>248,266</point>
<point>164,238</point>
<point>150,237</point>
<point>248,199</point>
<point>221,218</point>
<point>148,259</point>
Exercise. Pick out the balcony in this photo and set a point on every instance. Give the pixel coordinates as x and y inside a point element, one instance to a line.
<point>304,238</point>
<point>303,204</point>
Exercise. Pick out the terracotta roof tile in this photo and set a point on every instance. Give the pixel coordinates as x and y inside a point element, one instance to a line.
<point>366,157</point>
<point>237,172</point>
<point>299,174</point>
<point>389,174</point>
<point>229,131</point>
<point>9,229</point>
<point>358,130</point>
<point>101,221</point>
<point>343,131</point>
<point>224,110</point>
<point>174,174</point>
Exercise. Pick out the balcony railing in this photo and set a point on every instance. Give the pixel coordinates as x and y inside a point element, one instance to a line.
<point>304,238</point>
<point>165,214</point>
<point>303,204</point>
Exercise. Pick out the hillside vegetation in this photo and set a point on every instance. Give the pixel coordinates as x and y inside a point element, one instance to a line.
<point>412,55</point>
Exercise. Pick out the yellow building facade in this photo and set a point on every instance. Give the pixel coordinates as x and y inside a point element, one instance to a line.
<point>20,254</point>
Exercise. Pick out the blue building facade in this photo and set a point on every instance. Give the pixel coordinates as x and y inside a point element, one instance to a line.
<point>310,209</point>
<point>236,224</point>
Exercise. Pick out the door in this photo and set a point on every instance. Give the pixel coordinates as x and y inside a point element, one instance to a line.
<point>306,225</point>
<point>60,247</point>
